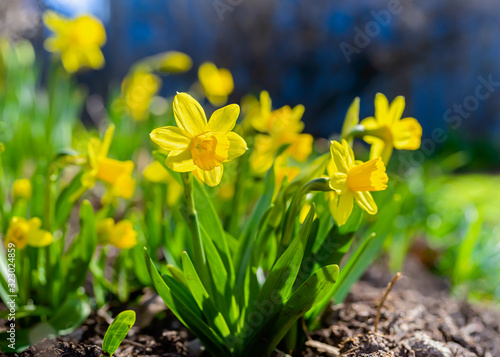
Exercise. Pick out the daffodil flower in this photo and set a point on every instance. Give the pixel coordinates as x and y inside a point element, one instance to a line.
<point>282,171</point>
<point>353,180</point>
<point>22,189</point>
<point>138,89</point>
<point>217,83</point>
<point>196,145</point>
<point>387,130</point>
<point>122,234</point>
<point>116,174</point>
<point>23,232</point>
<point>280,127</point>
<point>77,40</point>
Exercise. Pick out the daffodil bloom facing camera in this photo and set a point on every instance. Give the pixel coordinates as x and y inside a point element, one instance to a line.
<point>282,127</point>
<point>122,234</point>
<point>196,145</point>
<point>353,180</point>
<point>23,232</point>
<point>217,83</point>
<point>138,89</point>
<point>116,174</point>
<point>77,40</point>
<point>22,189</point>
<point>386,130</point>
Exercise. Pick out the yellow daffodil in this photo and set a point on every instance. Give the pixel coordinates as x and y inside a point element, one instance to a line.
<point>217,83</point>
<point>282,171</point>
<point>122,234</point>
<point>174,62</point>
<point>197,145</point>
<point>22,189</point>
<point>387,130</point>
<point>156,173</point>
<point>116,174</point>
<point>138,89</point>
<point>23,232</point>
<point>279,127</point>
<point>284,119</point>
<point>353,180</point>
<point>77,40</point>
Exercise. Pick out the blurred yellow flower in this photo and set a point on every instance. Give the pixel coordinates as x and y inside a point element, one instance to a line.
<point>116,174</point>
<point>77,40</point>
<point>353,180</point>
<point>217,83</point>
<point>197,145</point>
<point>22,189</point>
<point>156,173</point>
<point>279,127</point>
<point>387,130</point>
<point>138,89</point>
<point>122,234</point>
<point>282,171</point>
<point>23,232</point>
<point>174,62</point>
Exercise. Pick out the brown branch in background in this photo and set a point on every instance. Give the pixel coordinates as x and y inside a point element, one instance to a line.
<point>384,297</point>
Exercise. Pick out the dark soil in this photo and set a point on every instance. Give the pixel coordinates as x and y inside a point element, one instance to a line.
<point>418,319</point>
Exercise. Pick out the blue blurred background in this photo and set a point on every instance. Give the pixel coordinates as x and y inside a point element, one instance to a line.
<point>443,56</point>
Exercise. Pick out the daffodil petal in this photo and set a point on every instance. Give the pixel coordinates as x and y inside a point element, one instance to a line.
<point>396,109</point>
<point>407,134</point>
<point>224,119</point>
<point>170,138</point>
<point>106,141</point>
<point>338,155</point>
<point>377,147</point>
<point>70,61</point>
<point>341,207</point>
<point>265,103</point>
<point>381,108</point>
<point>369,123</point>
<point>211,178</point>
<point>180,161</point>
<point>338,182</point>
<point>189,115</point>
<point>237,146</point>
<point>331,168</point>
<point>365,200</point>
<point>349,154</point>
<point>39,238</point>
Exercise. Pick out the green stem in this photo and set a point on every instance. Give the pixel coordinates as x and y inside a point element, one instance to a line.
<point>200,260</point>
<point>319,184</point>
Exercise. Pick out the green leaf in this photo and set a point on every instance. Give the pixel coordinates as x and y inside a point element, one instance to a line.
<point>66,200</point>
<point>183,305</point>
<point>117,332</point>
<point>210,222</point>
<point>279,319</point>
<point>283,274</point>
<point>200,294</point>
<point>76,260</point>
<point>69,316</point>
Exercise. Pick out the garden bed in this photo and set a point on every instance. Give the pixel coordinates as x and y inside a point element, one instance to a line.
<point>419,318</point>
